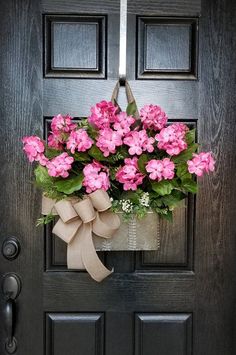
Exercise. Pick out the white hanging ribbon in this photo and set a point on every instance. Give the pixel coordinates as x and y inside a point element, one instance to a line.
<point>123,40</point>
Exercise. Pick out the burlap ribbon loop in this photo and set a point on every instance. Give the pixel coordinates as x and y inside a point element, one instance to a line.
<point>129,96</point>
<point>78,220</point>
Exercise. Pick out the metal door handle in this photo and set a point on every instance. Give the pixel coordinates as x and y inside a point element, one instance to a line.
<point>11,287</point>
<point>9,321</point>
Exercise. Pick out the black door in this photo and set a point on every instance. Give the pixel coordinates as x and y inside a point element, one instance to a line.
<point>61,56</point>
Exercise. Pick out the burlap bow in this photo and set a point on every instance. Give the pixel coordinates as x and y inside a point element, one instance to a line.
<point>78,220</point>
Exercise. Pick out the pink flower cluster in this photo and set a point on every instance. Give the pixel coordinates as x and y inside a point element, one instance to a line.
<point>122,123</point>
<point>129,175</point>
<point>95,177</point>
<point>102,114</point>
<point>61,126</point>
<point>79,140</point>
<point>139,142</point>
<point>34,149</point>
<point>203,162</point>
<point>108,140</point>
<point>113,129</point>
<point>161,169</point>
<point>153,117</point>
<point>60,165</point>
<point>172,138</point>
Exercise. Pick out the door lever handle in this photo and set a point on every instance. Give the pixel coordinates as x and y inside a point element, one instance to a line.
<point>11,287</point>
<point>9,323</point>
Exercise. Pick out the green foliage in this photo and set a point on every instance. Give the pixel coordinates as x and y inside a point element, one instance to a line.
<point>81,157</point>
<point>96,153</point>
<point>189,185</point>
<point>173,199</point>
<point>113,171</point>
<point>92,132</point>
<point>163,187</point>
<point>120,154</point>
<point>131,108</point>
<point>168,215</point>
<point>190,136</point>
<point>46,182</point>
<point>45,220</point>
<point>42,177</point>
<point>142,161</point>
<point>70,185</point>
<point>186,154</point>
<point>182,171</point>
<point>133,196</point>
<point>140,211</point>
<point>51,153</point>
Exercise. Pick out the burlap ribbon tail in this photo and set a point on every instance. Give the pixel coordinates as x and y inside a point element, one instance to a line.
<point>78,220</point>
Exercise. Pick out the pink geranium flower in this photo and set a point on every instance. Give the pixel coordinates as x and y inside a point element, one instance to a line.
<point>129,175</point>
<point>95,177</point>
<point>102,114</point>
<point>160,169</point>
<point>60,165</point>
<point>34,149</point>
<point>79,140</point>
<point>108,140</point>
<point>122,123</point>
<point>138,141</point>
<point>54,141</point>
<point>62,124</point>
<point>172,138</point>
<point>203,162</point>
<point>153,117</point>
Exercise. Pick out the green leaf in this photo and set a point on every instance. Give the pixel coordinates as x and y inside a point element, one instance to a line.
<point>156,203</point>
<point>45,219</point>
<point>81,156</point>
<point>112,172</point>
<point>186,154</point>
<point>163,187</point>
<point>96,153</point>
<point>168,216</point>
<point>52,153</point>
<point>173,199</point>
<point>190,136</point>
<point>130,195</point>
<point>142,161</point>
<point>189,185</point>
<point>46,183</point>
<point>70,185</point>
<point>92,132</point>
<point>131,108</point>
<point>182,172</point>
<point>42,178</point>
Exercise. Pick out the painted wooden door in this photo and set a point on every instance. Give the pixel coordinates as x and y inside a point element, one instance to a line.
<point>61,56</point>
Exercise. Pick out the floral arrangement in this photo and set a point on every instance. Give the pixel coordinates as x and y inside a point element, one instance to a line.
<point>142,162</point>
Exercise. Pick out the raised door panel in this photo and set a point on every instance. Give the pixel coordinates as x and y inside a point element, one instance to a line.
<point>74,334</point>
<point>163,334</point>
<point>167,48</point>
<point>75,46</point>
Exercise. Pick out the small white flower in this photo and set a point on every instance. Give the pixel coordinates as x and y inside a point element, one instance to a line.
<point>126,206</point>
<point>144,199</point>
